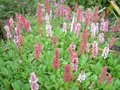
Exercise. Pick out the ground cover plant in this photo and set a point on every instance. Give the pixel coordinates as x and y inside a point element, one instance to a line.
<point>60,49</point>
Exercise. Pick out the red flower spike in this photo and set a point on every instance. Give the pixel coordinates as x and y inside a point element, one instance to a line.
<point>54,41</point>
<point>76,7</point>
<point>100,79</point>
<point>113,29</point>
<point>95,15</point>
<point>56,53</point>
<point>104,72</point>
<point>56,63</point>
<point>47,6</point>
<point>83,42</point>
<point>109,79</point>
<point>79,14</point>
<point>37,50</point>
<point>112,41</point>
<point>67,73</point>
<point>62,10</point>
<point>39,14</point>
<point>87,17</point>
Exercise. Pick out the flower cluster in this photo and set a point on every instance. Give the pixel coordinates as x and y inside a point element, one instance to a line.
<point>112,41</point>
<point>81,76</point>
<point>103,76</point>
<point>7,28</point>
<point>64,29</point>
<point>95,15</point>
<point>104,25</point>
<point>88,47</point>
<point>23,23</point>
<point>87,17</point>
<point>83,42</point>
<point>79,14</point>
<point>101,38</point>
<point>18,39</point>
<point>56,62</point>
<point>48,26</point>
<point>94,30</point>
<point>11,22</point>
<point>77,29</point>
<point>47,6</point>
<point>33,82</point>
<point>73,57</point>
<point>37,50</point>
<point>54,41</point>
<point>39,14</point>
<point>105,52</point>
<point>67,73</point>
<point>95,49</point>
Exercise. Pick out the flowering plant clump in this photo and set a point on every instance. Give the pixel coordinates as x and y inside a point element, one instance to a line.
<point>59,49</point>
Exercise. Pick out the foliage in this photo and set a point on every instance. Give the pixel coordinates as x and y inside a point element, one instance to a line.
<point>15,66</point>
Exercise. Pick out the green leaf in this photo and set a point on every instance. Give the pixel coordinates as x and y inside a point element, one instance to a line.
<point>96,68</point>
<point>26,87</point>
<point>7,84</point>
<point>4,71</point>
<point>15,86</point>
<point>83,60</point>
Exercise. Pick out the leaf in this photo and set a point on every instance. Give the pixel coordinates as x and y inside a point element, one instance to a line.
<point>15,86</point>
<point>4,71</point>
<point>85,84</point>
<point>93,78</point>
<point>96,68</point>
<point>83,60</point>
<point>26,87</point>
<point>7,84</point>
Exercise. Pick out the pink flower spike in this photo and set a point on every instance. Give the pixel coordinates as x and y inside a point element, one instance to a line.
<point>79,14</point>
<point>67,73</point>
<point>17,30</point>
<point>88,48</point>
<point>87,17</point>
<point>54,41</point>
<point>64,29</point>
<point>37,50</point>
<point>95,15</point>
<point>105,52</point>
<point>76,7</point>
<point>95,49</point>
<point>102,75</point>
<point>48,29</point>
<point>112,41</point>
<point>7,29</point>
<point>56,63</point>
<point>27,26</point>
<point>104,72</point>
<point>39,14</point>
<point>56,11</point>
<point>72,46</point>
<point>101,38</point>
<point>62,10</point>
<point>11,22</point>
<point>33,82</point>
<point>109,79</point>
<point>47,6</point>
